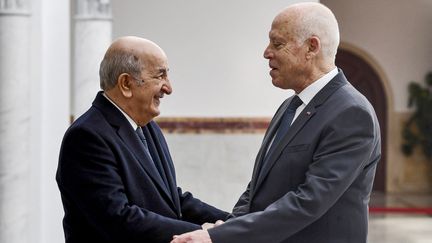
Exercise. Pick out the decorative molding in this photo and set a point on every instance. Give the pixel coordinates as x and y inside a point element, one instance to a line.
<point>14,7</point>
<point>210,125</point>
<point>215,125</point>
<point>93,9</point>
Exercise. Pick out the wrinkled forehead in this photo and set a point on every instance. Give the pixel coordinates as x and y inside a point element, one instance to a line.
<point>155,61</point>
<point>282,27</point>
<point>155,57</point>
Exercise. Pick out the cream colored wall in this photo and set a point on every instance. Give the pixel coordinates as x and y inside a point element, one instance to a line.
<point>393,37</point>
<point>214,167</point>
<point>215,52</point>
<point>395,33</point>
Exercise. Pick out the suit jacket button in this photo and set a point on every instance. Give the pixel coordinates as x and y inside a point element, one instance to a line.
<point>180,216</point>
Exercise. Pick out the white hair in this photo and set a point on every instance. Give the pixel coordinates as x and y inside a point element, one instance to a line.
<point>315,19</point>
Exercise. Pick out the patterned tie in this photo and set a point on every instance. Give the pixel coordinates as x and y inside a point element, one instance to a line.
<point>158,166</point>
<point>285,121</point>
<point>140,133</point>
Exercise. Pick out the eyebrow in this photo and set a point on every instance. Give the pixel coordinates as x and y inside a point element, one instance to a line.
<point>274,36</point>
<point>162,71</point>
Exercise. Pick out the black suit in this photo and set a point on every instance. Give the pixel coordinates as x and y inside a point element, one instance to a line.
<point>110,190</point>
<point>315,186</point>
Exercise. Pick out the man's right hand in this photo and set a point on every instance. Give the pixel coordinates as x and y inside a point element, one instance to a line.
<point>207,226</point>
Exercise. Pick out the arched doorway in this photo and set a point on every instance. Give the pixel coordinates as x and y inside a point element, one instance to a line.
<point>365,79</point>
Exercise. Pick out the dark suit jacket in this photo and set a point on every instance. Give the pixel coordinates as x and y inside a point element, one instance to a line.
<point>315,186</point>
<point>110,190</point>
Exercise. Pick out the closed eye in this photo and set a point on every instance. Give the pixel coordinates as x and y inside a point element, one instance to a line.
<point>162,75</point>
<point>278,45</point>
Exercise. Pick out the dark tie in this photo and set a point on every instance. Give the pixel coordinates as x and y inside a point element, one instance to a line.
<point>140,133</point>
<point>158,166</point>
<point>285,121</point>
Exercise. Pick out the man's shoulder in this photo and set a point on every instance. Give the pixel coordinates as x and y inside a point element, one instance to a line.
<point>91,117</point>
<point>347,103</point>
<point>347,95</point>
<point>91,121</point>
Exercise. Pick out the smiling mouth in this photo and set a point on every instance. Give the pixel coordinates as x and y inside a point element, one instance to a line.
<point>272,68</point>
<point>158,97</point>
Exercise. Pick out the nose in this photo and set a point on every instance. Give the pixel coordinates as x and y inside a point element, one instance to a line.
<point>166,87</point>
<point>267,53</point>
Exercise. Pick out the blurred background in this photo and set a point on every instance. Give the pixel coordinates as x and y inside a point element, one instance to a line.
<point>223,98</point>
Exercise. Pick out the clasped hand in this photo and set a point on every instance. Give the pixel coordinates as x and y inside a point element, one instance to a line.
<point>197,236</point>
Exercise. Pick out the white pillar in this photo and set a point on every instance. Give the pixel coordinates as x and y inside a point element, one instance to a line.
<point>15,82</point>
<point>53,64</point>
<point>92,36</point>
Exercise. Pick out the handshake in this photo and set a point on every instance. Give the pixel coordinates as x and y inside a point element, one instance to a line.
<point>197,236</point>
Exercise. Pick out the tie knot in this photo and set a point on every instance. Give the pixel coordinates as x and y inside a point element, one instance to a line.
<point>295,103</point>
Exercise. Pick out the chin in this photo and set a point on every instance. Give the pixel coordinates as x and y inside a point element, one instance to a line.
<point>277,83</point>
<point>155,113</point>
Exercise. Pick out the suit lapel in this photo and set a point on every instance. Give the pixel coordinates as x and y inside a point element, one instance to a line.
<point>165,161</point>
<point>267,140</point>
<point>155,155</point>
<point>131,140</point>
<point>308,112</point>
<point>296,126</point>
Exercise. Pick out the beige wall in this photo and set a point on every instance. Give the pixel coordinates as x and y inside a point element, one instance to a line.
<point>394,37</point>
<point>397,34</point>
<point>215,52</point>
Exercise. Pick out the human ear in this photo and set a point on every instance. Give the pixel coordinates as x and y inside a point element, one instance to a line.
<point>314,47</point>
<point>124,82</point>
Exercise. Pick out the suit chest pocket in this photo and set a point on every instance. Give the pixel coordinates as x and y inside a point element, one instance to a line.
<point>296,148</point>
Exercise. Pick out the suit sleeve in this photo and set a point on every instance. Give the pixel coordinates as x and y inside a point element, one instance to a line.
<point>344,150</point>
<point>198,212</point>
<point>88,176</point>
<point>242,205</point>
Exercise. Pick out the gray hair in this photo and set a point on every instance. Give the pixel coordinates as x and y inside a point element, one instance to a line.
<point>116,62</point>
<point>320,22</point>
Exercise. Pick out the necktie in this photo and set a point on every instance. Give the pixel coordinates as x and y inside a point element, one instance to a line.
<point>140,133</point>
<point>158,166</point>
<point>286,120</point>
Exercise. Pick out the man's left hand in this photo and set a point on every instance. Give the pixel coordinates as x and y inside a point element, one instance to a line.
<point>197,236</point>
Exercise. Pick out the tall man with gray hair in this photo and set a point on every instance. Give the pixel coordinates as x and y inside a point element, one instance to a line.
<point>314,172</point>
<point>115,173</point>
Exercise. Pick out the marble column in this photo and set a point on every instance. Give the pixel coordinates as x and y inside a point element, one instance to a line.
<point>14,120</point>
<point>92,36</point>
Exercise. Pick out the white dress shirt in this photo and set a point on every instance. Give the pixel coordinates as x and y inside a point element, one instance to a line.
<point>133,124</point>
<point>310,91</point>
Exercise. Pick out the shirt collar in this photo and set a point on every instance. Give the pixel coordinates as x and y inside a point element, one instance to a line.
<point>310,91</point>
<point>133,124</point>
